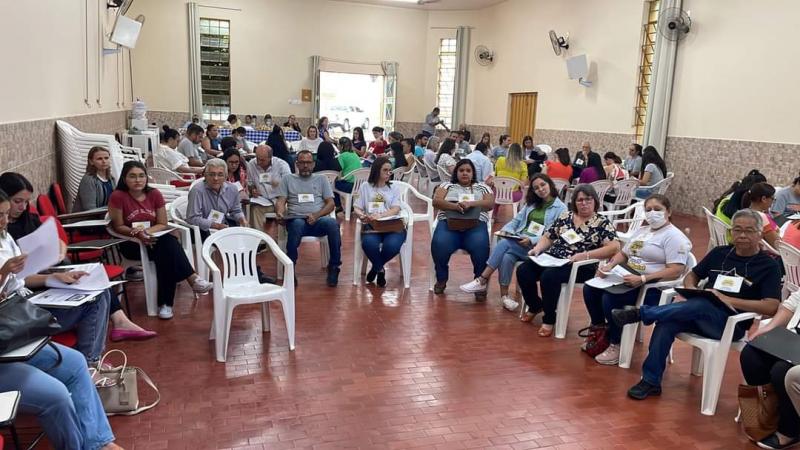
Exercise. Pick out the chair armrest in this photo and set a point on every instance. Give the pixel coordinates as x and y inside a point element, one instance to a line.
<point>667,297</point>
<point>586,262</point>
<point>730,325</point>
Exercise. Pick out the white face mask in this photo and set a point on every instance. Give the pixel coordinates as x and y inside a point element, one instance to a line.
<point>656,219</point>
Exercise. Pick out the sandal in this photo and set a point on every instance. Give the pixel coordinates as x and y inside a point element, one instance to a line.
<point>527,317</point>
<point>545,331</point>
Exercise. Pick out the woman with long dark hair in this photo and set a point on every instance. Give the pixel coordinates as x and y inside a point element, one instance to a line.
<point>359,143</point>
<point>561,167</point>
<point>326,158</point>
<point>593,170</point>
<point>444,157</point>
<point>237,171</point>
<point>654,170</point>
<point>277,143</point>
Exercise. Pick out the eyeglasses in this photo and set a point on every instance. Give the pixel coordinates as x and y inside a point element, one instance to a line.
<point>215,175</point>
<point>584,200</point>
<point>744,231</point>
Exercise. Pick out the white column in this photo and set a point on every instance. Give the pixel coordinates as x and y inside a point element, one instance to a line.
<point>195,85</point>
<point>462,67</point>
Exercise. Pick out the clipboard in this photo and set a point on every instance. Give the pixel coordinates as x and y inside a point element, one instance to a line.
<point>781,343</point>
<point>708,295</point>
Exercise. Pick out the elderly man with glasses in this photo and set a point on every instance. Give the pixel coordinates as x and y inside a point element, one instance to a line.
<point>215,203</point>
<point>305,200</point>
<point>741,275</point>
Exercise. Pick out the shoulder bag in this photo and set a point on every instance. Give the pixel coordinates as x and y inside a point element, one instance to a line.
<point>22,322</point>
<point>118,387</point>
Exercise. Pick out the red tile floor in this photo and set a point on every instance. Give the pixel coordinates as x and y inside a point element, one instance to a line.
<point>397,368</point>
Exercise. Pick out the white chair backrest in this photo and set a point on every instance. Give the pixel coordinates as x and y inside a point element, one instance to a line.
<point>601,187</point>
<point>421,169</point>
<point>177,209</point>
<point>662,186</point>
<point>331,175</point>
<point>546,148</point>
<point>625,191</point>
<point>560,185</point>
<point>444,174</point>
<point>238,248</point>
<point>504,188</point>
<point>638,217</point>
<point>717,229</point>
<point>162,176</point>
<point>791,262</point>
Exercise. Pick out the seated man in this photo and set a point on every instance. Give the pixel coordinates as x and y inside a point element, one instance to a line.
<point>190,145</point>
<point>750,279</point>
<point>483,165</point>
<point>304,201</point>
<point>264,174</point>
<point>215,203</point>
<point>462,146</point>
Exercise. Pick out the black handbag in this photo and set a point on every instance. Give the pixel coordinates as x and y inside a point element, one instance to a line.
<point>22,322</point>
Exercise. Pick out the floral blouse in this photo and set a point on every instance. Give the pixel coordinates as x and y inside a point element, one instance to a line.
<point>569,240</point>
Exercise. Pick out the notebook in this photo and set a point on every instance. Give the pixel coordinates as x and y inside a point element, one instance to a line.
<point>780,343</point>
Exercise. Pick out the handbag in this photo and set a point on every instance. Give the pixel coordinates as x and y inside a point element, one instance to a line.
<point>758,411</point>
<point>22,322</point>
<point>596,341</point>
<point>386,226</point>
<point>118,387</point>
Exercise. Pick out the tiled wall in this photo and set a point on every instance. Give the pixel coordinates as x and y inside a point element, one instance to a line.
<point>31,149</point>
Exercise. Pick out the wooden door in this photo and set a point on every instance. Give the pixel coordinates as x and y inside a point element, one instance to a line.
<point>522,115</point>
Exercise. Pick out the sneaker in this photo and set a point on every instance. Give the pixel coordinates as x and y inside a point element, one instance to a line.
<point>610,357</point>
<point>643,389</point>
<point>439,287</point>
<point>165,312</point>
<point>622,317</point>
<point>201,286</point>
<point>381,278</point>
<point>772,442</point>
<point>371,275</point>
<point>474,286</point>
<point>333,276</point>
<point>509,303</point>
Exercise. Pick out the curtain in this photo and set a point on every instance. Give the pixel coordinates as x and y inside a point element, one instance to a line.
<point>389,94</point>
<point>195,86</point>
<point>657,119</point>
<point>315,64</point>
<point>462,66</point>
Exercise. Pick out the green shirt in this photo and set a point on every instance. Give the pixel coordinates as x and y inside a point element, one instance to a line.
<point>349,162</point>
<point>537,215</point>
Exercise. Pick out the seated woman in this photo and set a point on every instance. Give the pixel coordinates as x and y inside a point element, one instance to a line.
<point>97,183</point>
<point>138,210</point>
<point>358,142</point>
<point>658,251</point>
<point>542,208</point>
<point>21,222</point>
<point>654,170</point>
<point>311,141</point>
<point>561,167</point>
<point>237,171</point>
<point>787,201</point>
<point>533,155</point>
<point>762,369</point>
<point>593,171</point>
<point>167,157</point>
<point>578,235</point>
<point>279,148</point>
<point>378,198</point>
<point>512,166</point>
<point>326,158</point>
<point>612,166</point>
<point>759,198</point>
<point>409,151</point>
<point>397,156</point>
<point>792,234</point>
<point>731,200</point>
<point>462,222</point>
<point>633,162</point>
<point>323,129</point>
<point>348,162</point>
<point>444,157</point>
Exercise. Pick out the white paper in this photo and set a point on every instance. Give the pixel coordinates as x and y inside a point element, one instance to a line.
<point>97,280</point>
<point>546,260</point>
<point>615,277</point>
<point>392,217</point>
<point>42,247</point>
<point>87,223</point>
<point>795,216</point>
<point>162,232</point>
<point>263,201</point>
<point>63,298</point>
<point>10,400</point>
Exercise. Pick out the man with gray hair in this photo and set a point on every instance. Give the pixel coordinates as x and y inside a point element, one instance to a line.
<point>264,174</point>
<point>215,203</point>
<point>740,278</point>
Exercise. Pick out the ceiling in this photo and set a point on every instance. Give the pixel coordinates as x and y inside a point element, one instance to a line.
<point>437,5</point>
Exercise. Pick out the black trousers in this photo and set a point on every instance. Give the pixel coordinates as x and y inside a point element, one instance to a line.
<point>172,267</point>
<point>761,368</point>
<point>529,273</point>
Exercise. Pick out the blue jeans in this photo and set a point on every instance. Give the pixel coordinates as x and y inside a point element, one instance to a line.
<point>62,397</point>
<point>380,248</point>
<point>505,254</point>
<point>344,186</point>
<point>90,322</point>
<point>695,315</point>
<point>296,229</point>
<point>445,242</point>
<point>599,303</point>
<point>643,192</point>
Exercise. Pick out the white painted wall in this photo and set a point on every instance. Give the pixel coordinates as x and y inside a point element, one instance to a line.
<point>43,74</point>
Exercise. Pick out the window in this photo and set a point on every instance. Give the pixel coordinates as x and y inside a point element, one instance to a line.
<point>215,69</point>
<point>445,86</point>
<point>648,49</point>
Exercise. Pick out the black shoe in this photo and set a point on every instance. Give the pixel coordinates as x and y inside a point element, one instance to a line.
<point>622,317</point>
<point>773,442</point>
<point>333,276</point>
<point>439,287</point>
<point>643,389</point>
<point>382,278</point>
<point>371,275</point>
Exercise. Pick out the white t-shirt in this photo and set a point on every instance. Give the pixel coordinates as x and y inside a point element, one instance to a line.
<point>309,144</point>
<point>8,250</point>
<point>446,160</point>
<point>655,174</point>
<point>478,190</point>
<point>374,200</point>
<point>167,158</point>
<point>650,251</point>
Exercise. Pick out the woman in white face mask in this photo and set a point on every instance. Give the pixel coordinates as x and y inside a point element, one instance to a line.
<point>656,252</point>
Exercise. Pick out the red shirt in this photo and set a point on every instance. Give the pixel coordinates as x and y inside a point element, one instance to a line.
<point>557,170</point>
<point>136,211</point>
<point>377,147</point>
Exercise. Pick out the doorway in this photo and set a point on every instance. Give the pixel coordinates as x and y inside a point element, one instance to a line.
<point>522,115</point>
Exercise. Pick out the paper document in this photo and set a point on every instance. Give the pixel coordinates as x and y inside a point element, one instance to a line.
<point>162,232</point>
<point>63,298</point>
<point>546,260</point>
<point>42,248</point>
<point>795,216</point>
<point>88,223</point>
<point>263,201</point>
<point>614,277</point>
<point>392,217</point>
<point>97,280</point>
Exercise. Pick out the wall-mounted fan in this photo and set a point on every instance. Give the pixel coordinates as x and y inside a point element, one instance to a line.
<point>674,23</point>
<point>483,55</point>
<point>559,42</point>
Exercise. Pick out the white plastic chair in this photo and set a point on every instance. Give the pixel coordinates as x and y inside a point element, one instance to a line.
<point>324,250</point>
<point>422,174</point>
<point>360,260</point>
<point>625,190</point>
<point>239,284</point>
<point>162,176</point>
<point>601,187</point>
<point>433,174</point>
<point>331,175</point>
<point>177,214</point>
<point>717,230</point>
<point>405,188</point>
<point>791,263</point>
<point>629,331</point>
<point>359,177</point>
<point>561,187</point>
<point>660,187</point>
<point>636,211</point>
<point>444,174</point>
<point>504,188</point>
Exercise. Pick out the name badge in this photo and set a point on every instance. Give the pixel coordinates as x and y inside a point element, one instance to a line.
<point>466,198</point>
<point>579,162</point>
<point>145,224</point>
<point>375,207</point>
<point>571,236</point>
<point>727,283</point>
<point>216,216</point>
<point>305,198</point>
<point>263,178</point>
<point>535,229</point>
